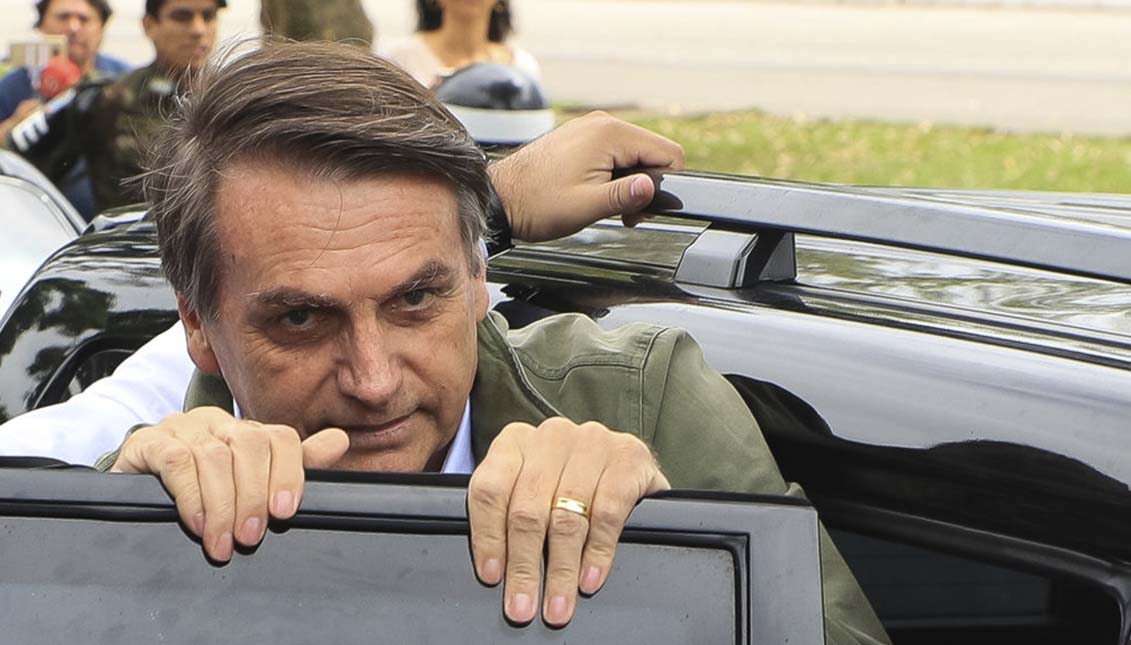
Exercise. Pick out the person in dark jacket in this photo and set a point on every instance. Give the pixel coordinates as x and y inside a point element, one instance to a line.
<point>108,126</point>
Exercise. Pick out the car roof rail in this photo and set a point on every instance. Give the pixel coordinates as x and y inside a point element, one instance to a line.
<point>753,222</point>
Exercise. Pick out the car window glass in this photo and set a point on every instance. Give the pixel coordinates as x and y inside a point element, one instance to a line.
<point>96,366</point>
<point>32,230</point>
<point>924,596</point>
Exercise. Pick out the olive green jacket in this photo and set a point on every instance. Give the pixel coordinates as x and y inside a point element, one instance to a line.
<point>643,379</point>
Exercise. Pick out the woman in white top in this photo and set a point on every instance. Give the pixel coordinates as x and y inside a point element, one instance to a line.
<point>451,34</point>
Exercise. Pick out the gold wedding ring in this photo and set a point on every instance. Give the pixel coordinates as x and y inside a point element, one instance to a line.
<point>573,506</point>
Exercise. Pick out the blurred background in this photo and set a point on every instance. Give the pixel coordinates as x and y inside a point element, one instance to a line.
<point>1030,94</point>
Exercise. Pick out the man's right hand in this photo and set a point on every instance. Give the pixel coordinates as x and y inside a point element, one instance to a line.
<point>229,475</point>
<point>564,180</point>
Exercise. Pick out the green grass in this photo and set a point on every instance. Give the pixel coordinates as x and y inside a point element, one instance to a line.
<point>865,152</point>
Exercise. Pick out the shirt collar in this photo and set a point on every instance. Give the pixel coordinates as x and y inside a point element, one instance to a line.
<point>460,460</point>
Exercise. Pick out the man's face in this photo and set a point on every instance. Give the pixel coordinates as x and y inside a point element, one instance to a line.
<point>80,23</point>
<point>183,33</point>
<point>345,304</point>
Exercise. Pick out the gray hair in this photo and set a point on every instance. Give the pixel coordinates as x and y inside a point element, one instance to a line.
<point>334,110</point>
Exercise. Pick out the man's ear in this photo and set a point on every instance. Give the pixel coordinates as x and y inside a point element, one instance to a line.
<point>148,22</point>
<point>199,348</point>
<point>481,300</point>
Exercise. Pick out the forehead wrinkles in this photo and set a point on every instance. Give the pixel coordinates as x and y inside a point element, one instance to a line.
<point>279,214</point>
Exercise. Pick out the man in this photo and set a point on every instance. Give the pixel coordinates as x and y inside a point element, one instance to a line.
<point>83,23</point>
<point>109,128</point>
<point>552,187</point>
<point>321,232</point>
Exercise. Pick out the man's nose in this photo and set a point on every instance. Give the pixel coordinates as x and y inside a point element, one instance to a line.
<point>74,24</point>
<point>198,25</point>
<point>370,371</point>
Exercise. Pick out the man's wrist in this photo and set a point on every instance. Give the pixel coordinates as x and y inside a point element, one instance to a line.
<point>504,189</point>
<point>498,226</point>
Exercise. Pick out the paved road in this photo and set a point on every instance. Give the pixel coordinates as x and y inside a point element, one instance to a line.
<point>1024,69</point>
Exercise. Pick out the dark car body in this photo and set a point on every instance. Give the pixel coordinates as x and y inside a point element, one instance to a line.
<point>947,374</point>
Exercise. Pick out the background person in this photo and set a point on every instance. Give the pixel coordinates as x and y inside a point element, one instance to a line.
<point>110,129</point>
<point>82,22</point>
<point>451,34</point>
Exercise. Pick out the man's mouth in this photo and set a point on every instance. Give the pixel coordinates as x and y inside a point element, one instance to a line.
<point>379,436</point>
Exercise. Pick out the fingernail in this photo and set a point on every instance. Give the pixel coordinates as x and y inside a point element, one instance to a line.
<point>557,611</point>
<point>198,524</point>
<point>492,571</point>
<point>639,187</point>
<point>223,547</point>
<point>590,580</point>
<point>284,505</point>
<point>521,608</point>
<point>252,531</point>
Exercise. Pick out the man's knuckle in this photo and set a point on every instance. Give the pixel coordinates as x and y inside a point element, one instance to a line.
<point>250,437</point>
<point>601,552</point>
<point>514,430</point>
<point>527,520</point>
<point>280,432</point>
<point>177,458</point>
<point>216,451</point>
<point>486,492</point>
<point>607,515</point>
<point>523,572</point>
<point>562,571</point>
<point>632,448</point>
<point>568,525</point>
<point>592,430</point>
<point>224,510</point>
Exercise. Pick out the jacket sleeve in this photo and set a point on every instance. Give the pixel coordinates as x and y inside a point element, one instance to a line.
<point>705,437</point>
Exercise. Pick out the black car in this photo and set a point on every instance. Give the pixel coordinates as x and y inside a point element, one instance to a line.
<point>946,373</point>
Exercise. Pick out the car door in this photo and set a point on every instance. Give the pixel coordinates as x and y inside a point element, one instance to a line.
<point>385,558</point>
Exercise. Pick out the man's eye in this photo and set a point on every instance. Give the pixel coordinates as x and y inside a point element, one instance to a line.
<point>298,318</point>
<point>186,15</point>
<point>416,298</point>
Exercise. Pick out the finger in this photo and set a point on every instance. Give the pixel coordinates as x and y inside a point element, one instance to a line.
<point>633,145</point>
<point>287,474</point>
<point>624,195</point>
<point>324,448</point>
<point>172,460</point>
<point>617,494</point>
<point>630,220</point>
<point>529,515</point>
<point>251,473</point>
<point>568,529</point>
<point>217,490</point>
<point>488,498</point>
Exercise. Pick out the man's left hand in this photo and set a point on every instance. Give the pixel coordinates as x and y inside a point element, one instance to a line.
<point>511,506</point>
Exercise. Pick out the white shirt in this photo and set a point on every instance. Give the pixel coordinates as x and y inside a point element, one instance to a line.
<point>145,388</point>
